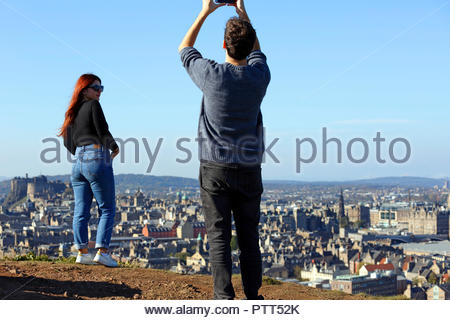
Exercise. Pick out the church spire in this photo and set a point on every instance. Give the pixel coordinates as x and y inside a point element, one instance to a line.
<point>341,210</point>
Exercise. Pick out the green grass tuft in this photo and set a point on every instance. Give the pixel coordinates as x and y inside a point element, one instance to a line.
<point>270,281</point>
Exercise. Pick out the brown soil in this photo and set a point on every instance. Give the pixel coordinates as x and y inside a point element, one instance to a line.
<point>47,280</point>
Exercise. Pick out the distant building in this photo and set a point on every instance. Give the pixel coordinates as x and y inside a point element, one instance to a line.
<point>369,268</point>
<point>358,213</point>
<point>374,217</point>
<point>441,248</point>
<point>139,199</point>
<point>315,274</point>
<point>341,207</point>
<point>196,259</point>
<point>199,228</point>
<point>32,188</point>
<point>415,293</point>
<point>439,292</point>
<point>429,221</point>
<point>277,271</point>
<point>185,230</point>
<point>158,232</point>
<point>376,284</point>
<point>396,215</point>
<point>300,219</point>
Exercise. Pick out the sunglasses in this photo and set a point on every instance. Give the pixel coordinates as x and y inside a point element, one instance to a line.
<point>97,88</point>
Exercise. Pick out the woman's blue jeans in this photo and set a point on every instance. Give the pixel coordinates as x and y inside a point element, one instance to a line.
<point>92,176</point>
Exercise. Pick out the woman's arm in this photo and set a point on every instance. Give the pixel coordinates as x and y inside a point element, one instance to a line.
<point>101,126</point>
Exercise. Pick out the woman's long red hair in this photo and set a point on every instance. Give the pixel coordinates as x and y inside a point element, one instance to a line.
<point>83,82</point>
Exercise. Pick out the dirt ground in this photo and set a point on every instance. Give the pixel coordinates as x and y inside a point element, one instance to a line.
<point>47,280</point>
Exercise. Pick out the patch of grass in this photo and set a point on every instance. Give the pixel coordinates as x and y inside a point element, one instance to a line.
<point>399,297</point>
<point>69,260</point>
<point>132,265</point>
<point>182,256</point>
<point>367,296</point>
<point>31,256</point>
<point>270,281</point>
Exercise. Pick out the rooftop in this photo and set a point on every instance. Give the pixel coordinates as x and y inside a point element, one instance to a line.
<point>351,277</point>
<point>434,247</point>
<point>394,206</point>
<point>373,267</point>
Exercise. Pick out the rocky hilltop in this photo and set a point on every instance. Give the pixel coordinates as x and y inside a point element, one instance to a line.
<point>50,280</point>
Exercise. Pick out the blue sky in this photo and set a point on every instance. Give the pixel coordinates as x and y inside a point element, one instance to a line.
<point>354,67</point>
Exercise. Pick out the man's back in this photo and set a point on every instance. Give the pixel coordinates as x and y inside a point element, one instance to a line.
<point>230,124</point>
<point>231,146</point>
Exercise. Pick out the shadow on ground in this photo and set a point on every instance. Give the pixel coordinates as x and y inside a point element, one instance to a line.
<point>31,288</point>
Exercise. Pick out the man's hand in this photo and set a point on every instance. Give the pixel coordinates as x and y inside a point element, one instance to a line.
<point>240,9</point>
<point>209,6</point>
<point>240,5</point>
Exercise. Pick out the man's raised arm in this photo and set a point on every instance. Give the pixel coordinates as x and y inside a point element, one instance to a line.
<point>209,6</point>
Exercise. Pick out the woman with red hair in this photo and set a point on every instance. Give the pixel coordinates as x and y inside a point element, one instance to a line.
<point>86,135</point>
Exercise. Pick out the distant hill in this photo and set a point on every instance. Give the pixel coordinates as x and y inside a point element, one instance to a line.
<point>145,182</point>
<point>4,178</point>
<point>46,280</point>
<point>402,182</point>
<point>381,182</point>
<point>155,182</point>
<point>5,186</point>
<point>150,183</point>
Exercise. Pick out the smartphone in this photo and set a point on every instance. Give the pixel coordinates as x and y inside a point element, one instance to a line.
<point>224,1</point>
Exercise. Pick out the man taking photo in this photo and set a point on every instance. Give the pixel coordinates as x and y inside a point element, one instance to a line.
<point>231,146</point>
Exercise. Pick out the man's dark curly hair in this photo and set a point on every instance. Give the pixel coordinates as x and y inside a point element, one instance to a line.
<point>240,38</point>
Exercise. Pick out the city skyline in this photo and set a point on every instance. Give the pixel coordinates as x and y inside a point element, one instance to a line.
<point>382,241</point>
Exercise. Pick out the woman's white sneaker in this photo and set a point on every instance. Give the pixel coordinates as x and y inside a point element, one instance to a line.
<point>105,259</point>
<point>84,258</point>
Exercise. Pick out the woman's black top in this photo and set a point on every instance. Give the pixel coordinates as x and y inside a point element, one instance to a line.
<point>89,127</point>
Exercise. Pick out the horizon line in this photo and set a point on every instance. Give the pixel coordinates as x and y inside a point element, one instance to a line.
<point>4,178</point>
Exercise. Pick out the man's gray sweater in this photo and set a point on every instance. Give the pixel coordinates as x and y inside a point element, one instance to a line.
<point>230,126</point>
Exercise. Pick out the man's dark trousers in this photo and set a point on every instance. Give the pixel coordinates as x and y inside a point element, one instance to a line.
<point>226,188</point>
